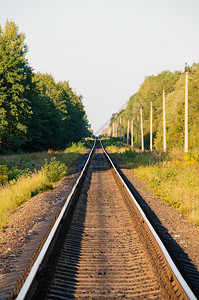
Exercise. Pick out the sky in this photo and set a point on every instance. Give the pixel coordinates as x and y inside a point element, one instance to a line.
<point>106,48</point>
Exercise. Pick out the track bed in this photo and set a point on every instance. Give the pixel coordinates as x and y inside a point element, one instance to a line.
<point>102,253</point>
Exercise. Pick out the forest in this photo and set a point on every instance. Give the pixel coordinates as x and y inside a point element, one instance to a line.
<point>149,92</point>
<point>36,112</point>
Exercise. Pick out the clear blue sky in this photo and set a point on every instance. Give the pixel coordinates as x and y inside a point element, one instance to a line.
<point>105,48</point>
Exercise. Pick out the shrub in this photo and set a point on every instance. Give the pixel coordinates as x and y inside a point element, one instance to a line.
<point>9,174</point>
<point>54,170</point>
<point>3,174</point>
<point>14,173</point>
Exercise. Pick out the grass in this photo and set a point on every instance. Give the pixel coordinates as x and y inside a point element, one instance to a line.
<point>23,176</point>
<point>173,176</point>
<point>16,193</point>
<point>29,162</point>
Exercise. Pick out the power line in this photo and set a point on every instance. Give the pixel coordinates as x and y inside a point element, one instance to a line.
<point>107,122</point>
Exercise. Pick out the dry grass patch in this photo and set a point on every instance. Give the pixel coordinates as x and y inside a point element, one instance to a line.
<point>16,193</point>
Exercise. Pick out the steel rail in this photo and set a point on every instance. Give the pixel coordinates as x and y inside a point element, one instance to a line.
<point>26,286</point>
<point>183,284</point>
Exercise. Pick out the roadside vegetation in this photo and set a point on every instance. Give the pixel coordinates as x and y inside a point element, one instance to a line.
<point>25,175</point>
<point>173,176</point>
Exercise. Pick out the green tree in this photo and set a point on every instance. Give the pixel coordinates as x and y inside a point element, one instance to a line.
<point>45,126</point>
<point>36,113</point>
<point>15,81</point>
<point>76,123</point>
<point>58,114</point>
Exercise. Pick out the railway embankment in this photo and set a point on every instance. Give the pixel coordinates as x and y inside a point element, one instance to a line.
<point>39,211</point>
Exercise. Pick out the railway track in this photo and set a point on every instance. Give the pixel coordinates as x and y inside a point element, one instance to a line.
<point>105,247</point>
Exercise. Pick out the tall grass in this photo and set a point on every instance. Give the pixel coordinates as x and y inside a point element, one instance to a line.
<point>23,176</point>
<point>16,193</point>
<point>175,183</point>
<point>173,176</point>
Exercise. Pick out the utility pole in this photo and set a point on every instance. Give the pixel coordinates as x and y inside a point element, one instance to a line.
<point>186,111</point>
<point>123,130</point>
<point>151,128</point>
<point>141,124</point>
<point>115,128</point>
<point>128,133</point>
<point>137,132</point>
<point>164,120</point>
<point>120,128</point>
<point>113,125</point>
<point>132,133</point>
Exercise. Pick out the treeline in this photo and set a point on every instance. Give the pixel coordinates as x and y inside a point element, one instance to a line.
<point>36,113</point>
<point>151,91</point>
